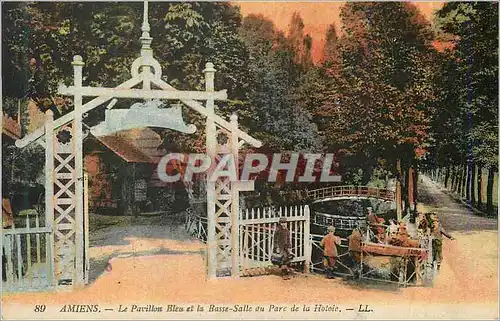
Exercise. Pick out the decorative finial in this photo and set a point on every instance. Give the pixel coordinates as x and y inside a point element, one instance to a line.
<point>78,61</point>
<point>145,38</point>
<point>209,67</point>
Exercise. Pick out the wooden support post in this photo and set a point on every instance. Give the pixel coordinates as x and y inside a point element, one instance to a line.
<point>7,247</point>
<point>245,244</point>
<point>307,239</point>
<point>19,258</point>
<point>78,151</point>
<point>418,271</point>
<point>211,144</point>
<point>49,195</point>
<point>37,225</point>
<point>269,235</point>
<point>86,225</point>
<point>28,252</point>
<point>398,191</point>
<point>410,188</point>
<point>235,201</point>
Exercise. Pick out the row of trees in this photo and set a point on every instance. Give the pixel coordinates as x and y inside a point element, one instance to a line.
<point>464,150</point>
<point>382,96</point>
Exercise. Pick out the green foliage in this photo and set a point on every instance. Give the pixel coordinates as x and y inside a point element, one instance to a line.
<point>468,116</point>
<point>21,167</point>
<point>276,112</point>
<point>379,97</point>
<point>381,92</point>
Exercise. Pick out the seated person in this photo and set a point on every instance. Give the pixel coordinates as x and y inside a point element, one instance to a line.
<point>422,222</point>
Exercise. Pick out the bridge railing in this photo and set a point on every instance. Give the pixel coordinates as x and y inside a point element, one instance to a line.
<point>350,190</point>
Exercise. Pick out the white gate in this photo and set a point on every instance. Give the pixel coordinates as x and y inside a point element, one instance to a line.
<point>27,263</point>
<point>257,228</point>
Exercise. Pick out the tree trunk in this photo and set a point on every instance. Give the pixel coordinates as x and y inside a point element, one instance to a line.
<point>463,176</point>
<point>464,182</point>
<point>446,176</point>
<point>479,186</point>
<point>489,191</point>
<point>453,178</point>
<point>404,188</point>
<point>468,181</point>
<point>415,190</point>
<point>411,185</point>
<point>472,184</point>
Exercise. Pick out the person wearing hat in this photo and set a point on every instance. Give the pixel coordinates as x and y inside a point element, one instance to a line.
<point>437,232</point>
<point>282,246</point>
<point>355,250</point>
<point>329,244</point>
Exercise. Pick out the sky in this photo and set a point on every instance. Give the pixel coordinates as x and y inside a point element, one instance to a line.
<point>317,16</point>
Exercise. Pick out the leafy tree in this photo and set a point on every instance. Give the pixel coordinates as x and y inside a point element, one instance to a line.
<point>381,100</point>
<point>472,101</point>
<point>300,44</point>
<point>282,124</point>
<point>331,50</point>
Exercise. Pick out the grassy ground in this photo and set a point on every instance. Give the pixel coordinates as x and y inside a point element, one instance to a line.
<point>484,184</point>
<point>99,222</point>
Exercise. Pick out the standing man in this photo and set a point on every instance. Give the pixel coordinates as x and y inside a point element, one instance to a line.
<point>329,244</point>
<point>437,240</point>
<point>282,247</point>
<point>355,250</point>
<point>422,222</point>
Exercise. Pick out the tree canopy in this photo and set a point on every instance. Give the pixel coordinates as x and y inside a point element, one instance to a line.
<point>381,93</point>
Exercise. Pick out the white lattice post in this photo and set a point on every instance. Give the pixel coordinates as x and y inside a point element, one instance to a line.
<point>235,204</point>
<point>49,193</point>
<point>211,143</point>
<point>79,246</point>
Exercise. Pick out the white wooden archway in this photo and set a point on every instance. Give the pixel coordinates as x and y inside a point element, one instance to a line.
<point>63,139</point>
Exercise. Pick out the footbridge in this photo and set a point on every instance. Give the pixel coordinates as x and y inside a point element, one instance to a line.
<point>346,192</point>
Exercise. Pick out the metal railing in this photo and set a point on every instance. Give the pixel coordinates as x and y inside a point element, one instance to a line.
<point>343,266</point>
<point>196,226</point>
<point>350,191</point>
<point>339,221</point>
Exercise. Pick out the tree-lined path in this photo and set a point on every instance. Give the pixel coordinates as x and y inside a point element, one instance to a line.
<point>453,215</point>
